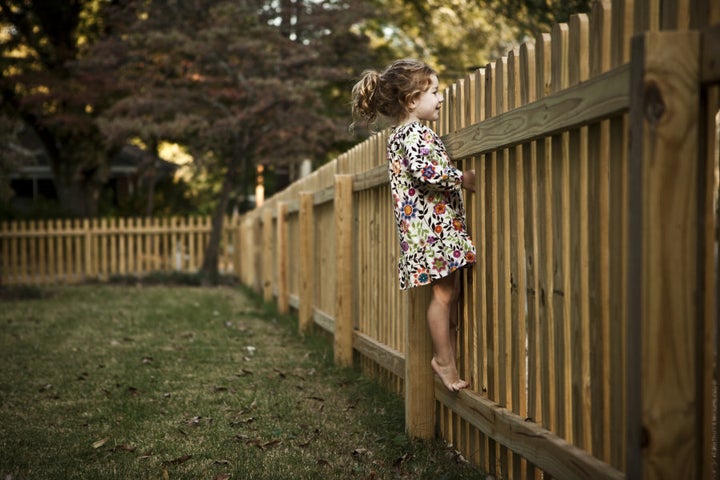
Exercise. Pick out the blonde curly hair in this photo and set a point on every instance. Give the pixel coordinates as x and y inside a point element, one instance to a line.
<point>389,93</point>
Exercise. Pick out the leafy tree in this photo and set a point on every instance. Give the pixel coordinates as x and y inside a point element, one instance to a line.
<point>459,36</point>
<point>532,17</point>
<point>41,43</point>
<point>454,37</point>
<point>13,154</point>
<point>237,83</point>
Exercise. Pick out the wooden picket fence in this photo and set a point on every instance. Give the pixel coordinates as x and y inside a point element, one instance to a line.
<point>588,325</point>
<point>38,252</point>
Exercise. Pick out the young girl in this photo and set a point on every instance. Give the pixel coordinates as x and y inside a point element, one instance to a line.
<point>427,199</point>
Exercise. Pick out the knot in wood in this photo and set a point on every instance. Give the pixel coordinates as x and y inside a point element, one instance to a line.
<point>653,104</point>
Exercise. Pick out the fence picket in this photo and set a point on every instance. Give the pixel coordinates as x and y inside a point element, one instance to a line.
<point>598,241</point>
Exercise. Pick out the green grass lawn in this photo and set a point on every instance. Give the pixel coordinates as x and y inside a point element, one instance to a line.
<point>169,382</point>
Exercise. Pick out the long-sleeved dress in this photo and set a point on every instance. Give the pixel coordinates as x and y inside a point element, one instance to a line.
<point>428,206</point>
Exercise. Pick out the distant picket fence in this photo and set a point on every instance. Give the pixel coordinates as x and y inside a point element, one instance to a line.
<point>39,252</point>
<point>588,325</point>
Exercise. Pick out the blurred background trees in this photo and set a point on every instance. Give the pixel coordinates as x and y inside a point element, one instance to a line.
<point>197,94</point>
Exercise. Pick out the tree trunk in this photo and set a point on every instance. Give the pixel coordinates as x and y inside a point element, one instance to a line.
<point>76,200</point>
<point>80,169</point>
<point>209,269</point>
<point>151,195</point>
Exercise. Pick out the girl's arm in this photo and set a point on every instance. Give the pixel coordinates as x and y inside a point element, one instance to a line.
<point>428,162</point>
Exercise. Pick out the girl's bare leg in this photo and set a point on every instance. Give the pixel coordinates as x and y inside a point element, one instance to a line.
<point>454,316</point>
<point>444,299</point>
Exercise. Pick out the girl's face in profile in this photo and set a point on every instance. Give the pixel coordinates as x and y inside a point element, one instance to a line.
<point>426,106</point>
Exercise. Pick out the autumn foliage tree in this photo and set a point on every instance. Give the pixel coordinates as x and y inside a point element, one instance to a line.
<point>238,83</point>
<point>43,85</point>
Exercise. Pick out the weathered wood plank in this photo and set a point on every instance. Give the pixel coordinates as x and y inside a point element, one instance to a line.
<point>540,446</point>
<point>371,178</point>
<point>281,235</point>
<point>419,385</point>
<point>382,355</point>
<point>324,321</point>
<point>344,232</point>
<point>600,97</point>
<point>663,335</point>
<point>268,254</point>
<point>710,55</point>
<point>307,261</point>
<point>598,241</point>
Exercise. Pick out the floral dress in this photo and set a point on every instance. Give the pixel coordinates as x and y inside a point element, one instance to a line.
<point>428,206</point>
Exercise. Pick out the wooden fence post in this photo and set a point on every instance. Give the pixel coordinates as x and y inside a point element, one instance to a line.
<point>283,301</point>
<point>268,253</point>
<point>419,380</point>
<point>252,253</point>
<point>344,270</point>
<point>307,261</point>
<point>664,339</point>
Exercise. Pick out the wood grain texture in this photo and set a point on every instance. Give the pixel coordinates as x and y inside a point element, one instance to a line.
<point>664,261</point>
<point>576,106</point>
<point>344,231</point>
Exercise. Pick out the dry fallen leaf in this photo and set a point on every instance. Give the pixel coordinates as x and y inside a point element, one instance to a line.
<point>222,476</point>
<point>195,421</point>
<point>100,442</point>
<point>178,461</point>
<point>400,461</point>
<point>124,447</point>
<point>270,444</point>
<point>251,441</point>
<point>245,421</point>
<point>359,452</point>
<point>147,454</point>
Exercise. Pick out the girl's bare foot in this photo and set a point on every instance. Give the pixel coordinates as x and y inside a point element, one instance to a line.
<point>449,376</point>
